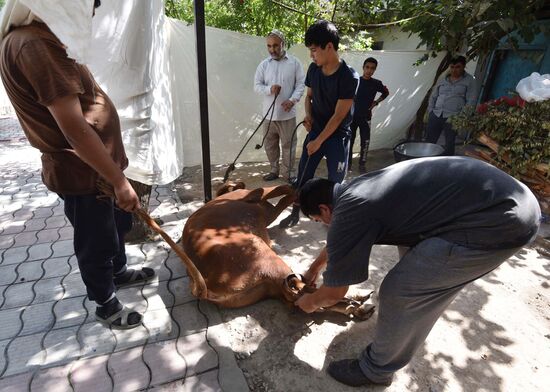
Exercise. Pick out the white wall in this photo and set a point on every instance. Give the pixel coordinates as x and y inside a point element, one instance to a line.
<point>395,39</point>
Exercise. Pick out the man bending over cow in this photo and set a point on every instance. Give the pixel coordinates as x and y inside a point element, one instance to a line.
<point>460,218</point>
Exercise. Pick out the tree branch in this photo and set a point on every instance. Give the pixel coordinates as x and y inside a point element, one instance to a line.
<point>364,26</point>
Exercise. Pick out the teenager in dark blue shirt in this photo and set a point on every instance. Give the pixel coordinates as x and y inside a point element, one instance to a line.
<point>331,87</point>
<point>363,105</point>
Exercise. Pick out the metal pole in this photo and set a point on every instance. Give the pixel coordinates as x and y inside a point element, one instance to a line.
<point>203,98</point>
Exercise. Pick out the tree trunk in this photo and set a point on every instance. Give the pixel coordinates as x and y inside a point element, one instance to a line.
<point>140,231</point>
<point>417,128</point>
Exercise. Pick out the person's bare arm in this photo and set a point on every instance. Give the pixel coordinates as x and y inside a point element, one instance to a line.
<point>67,112</point>
<point>343,106</point>
<point>324,297</point>
<point>315,268</point>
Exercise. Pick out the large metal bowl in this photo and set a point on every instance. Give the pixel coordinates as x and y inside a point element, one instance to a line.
<point>411,150</point>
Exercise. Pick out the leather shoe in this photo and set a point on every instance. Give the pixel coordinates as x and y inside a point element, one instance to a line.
<point>270,177</point>
<point>348,371</point>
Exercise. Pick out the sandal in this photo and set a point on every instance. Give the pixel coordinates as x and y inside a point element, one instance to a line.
<point>122,315</point>
<point>132,276</point>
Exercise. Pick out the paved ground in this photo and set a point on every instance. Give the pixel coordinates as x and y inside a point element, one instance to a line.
<point>493,338</point>
<point>49,340</point>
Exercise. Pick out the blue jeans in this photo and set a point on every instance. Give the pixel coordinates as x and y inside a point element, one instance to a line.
<point>334,149</point>
<point>435,126</point>
<point>414,294</point>
<point>99,230</point>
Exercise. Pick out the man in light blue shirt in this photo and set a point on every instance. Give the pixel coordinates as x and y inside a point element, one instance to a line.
<point>281,75</point>
<point>449,96</point>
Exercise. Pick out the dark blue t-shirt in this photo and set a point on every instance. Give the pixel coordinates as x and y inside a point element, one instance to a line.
<point>365,96</point>
<point>327,90</point>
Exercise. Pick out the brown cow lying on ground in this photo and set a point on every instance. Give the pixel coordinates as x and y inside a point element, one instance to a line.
<point>228,242</point>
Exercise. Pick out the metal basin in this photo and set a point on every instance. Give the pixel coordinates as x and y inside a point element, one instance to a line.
<point>411,150</point>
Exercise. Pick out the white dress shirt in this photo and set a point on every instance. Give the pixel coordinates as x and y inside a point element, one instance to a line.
<point>287,73</point>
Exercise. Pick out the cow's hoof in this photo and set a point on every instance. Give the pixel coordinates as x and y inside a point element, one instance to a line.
<point>289,221</point>
<point>362,298</point>
<point>363,312</point>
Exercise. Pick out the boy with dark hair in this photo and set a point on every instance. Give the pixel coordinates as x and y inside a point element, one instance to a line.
<point>461,219</point>
<point>331,87</point>
<point>363,104</point>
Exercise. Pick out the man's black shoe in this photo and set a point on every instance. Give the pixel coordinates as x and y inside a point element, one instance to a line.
<point>348,371</point>
<point>270,177</point>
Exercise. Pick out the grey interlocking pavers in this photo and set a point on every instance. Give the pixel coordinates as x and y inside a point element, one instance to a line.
<point>55,221</point>
<point>52,379</point>
<point>40,251</point>
<point>65,233</point>
<point>90,375</point>
<point>166,363</point>
<point>180,288</point>
<point>128,370</point>
<point>49,289</point>
<point>47,325</point>
<point>28,271</point>
<point>17,383</point>
<point>60,345</point>
<point>95,339</point>
<point>7,274</point>
<point>42,212</point>
<point>12,226</point>
<point>14,255</point>
<point>69,312</point>
<point>24,354</point>
<point>205,382</point>
<point>25,239</point>
<point>18,294</point>
<point>37,318</point>
<point>7,241</point>
<point>62,248</point>
<point>10,323</point>
<point>58,266</point>
<point>35,224</point>
<point>73,285</point>
<point>198,354</point>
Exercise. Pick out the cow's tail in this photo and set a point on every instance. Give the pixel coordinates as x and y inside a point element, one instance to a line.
<point>198,285</point>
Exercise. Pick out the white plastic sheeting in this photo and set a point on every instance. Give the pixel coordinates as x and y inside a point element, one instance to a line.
<point>129,60</point>
<point>235,110</point>
<point>69,20</point>
<point>147,65</point>
<point>534,88</point>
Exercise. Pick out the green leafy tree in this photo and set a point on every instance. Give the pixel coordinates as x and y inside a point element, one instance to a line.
<point>258,17</point>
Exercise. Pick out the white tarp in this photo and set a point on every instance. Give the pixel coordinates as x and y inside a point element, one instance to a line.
<point>235,110</point>
<point>147,65</point>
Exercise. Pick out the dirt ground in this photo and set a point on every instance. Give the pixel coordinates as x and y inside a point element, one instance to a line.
<point>494,337</point>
